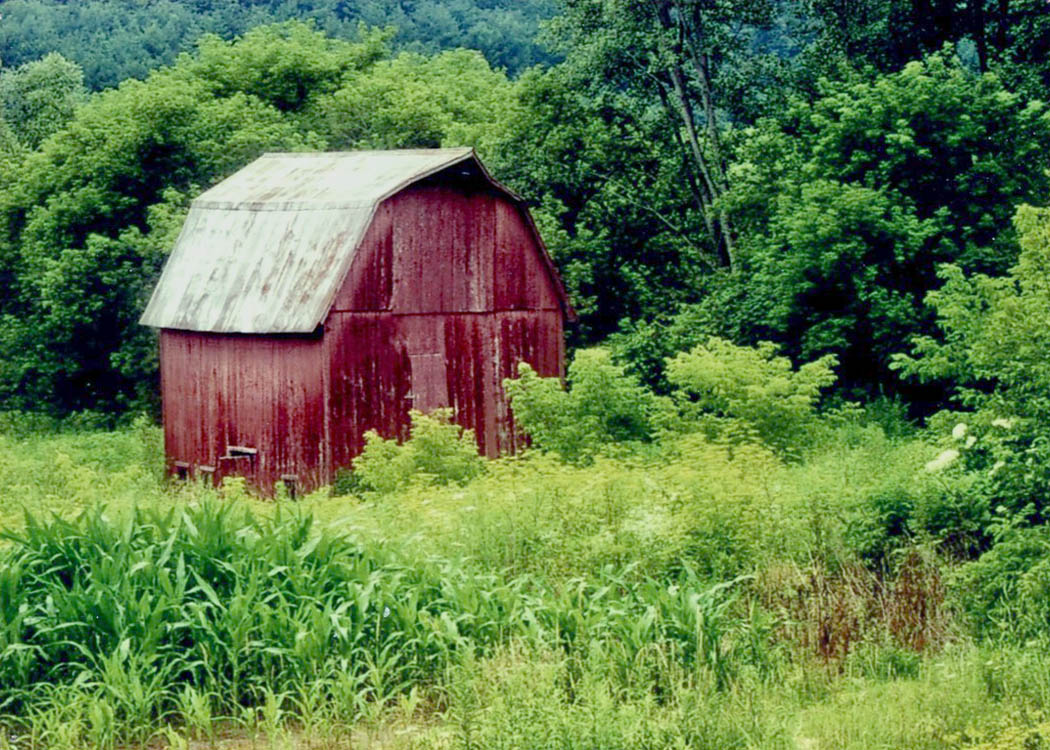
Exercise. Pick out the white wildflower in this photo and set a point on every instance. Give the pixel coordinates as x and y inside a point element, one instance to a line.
<point>1006,424</point>
<point>960,431</point>
<point>942,461</point>
<point>971,441</point>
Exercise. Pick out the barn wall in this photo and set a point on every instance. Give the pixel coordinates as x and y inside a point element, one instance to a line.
<point>367,372</point>
<point>440,248</point>
<point>261,392</point>
<point>384,364</point>
<point>448,291</point>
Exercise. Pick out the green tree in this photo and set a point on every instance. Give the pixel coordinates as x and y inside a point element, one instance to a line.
<point>995,342</point>
<point>848,204</point>
<point>994,348</point>
<point>1009,37</point>
<point>38,98</point>
<point>676,55</point>
<point>113,40</point>
<point>449,99</point>
<point>604,173</point>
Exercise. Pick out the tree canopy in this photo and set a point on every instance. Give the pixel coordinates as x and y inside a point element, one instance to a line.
<point>88,217</point>
<point>113,40</point>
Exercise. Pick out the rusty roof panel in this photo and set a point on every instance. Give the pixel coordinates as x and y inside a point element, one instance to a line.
<point>265,250</point>
<point>238,271</point>
<point>277,182</point>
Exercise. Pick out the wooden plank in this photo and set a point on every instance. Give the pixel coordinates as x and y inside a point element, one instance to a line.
<point>261,393</point>
<point>442,250</point>
<point>522,278</point>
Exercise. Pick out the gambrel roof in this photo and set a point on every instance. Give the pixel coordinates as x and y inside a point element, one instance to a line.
<point>266,250</point>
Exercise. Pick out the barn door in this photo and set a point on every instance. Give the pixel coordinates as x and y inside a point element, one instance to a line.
<point>429,381</point>
<point>423,337</point>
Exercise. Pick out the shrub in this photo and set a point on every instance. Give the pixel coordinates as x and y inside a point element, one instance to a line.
<point>1006,592</point>
<point>438,452</point>
<point>750,392</point>
<point>602,407</point>
<point>994,348</point>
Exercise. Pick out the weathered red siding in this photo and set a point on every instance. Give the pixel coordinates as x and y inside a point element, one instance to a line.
<point>260,392</point>
<point>469,297</point>
<point>368,375</point>
<point>434,248</point>
<point>448,291</point>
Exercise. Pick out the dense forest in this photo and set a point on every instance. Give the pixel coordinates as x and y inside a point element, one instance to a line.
<point>112,40</point>
<point>799,464</point>
<point>800,173</point>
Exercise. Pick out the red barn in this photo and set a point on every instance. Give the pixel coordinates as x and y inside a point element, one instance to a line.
<point>313,297</point>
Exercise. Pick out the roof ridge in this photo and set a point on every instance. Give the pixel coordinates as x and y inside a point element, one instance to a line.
<point>384,151</point>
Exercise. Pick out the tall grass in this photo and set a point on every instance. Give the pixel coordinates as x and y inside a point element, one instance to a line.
<point>206,609</point>
<point>701,595</point>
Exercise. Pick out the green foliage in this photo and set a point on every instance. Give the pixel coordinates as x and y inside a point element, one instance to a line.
<point>114,40</point>
<point>610,195</point>
<point>739,394</point>
<point>415,101</point>
<point>994,329</point>
<point>753,392</point>
<point>437,452</point>
<point>39,97</point>
<point>144,604</point>
<point>1005,592</point>
<point>848,203</point>
<point>994,349</point>
<point>283,65</point>
<point>1006,38</point>
<point>601,407</point>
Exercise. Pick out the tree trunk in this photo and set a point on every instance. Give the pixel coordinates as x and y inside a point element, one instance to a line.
<point>711,170</point>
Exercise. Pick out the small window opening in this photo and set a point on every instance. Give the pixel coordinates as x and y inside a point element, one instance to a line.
<point>240,451</point>
<point>182,471</point>
<point>291,484</point>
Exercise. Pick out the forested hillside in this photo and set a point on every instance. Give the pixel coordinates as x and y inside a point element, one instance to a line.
<point>113,40</point>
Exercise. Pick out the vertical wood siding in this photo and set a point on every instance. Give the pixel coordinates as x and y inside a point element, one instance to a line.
<point>256,392</point>
<point>369,382</point>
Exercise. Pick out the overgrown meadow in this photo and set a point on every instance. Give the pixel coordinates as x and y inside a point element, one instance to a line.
<point>657,571</point>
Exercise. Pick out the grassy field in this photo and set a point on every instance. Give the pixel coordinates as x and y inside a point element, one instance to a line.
<point>701,595</point>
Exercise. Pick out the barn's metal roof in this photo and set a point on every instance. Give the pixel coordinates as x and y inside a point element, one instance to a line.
<point>265,250</point>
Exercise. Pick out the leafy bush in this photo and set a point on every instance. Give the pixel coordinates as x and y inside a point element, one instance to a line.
<point>751,392</point>
<point>1006,593</point>
<point>437,452</point>
<point>996,351</point>
<point>602,407</point>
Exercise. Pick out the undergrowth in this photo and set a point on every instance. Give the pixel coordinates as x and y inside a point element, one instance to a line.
<point>693,592</point>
